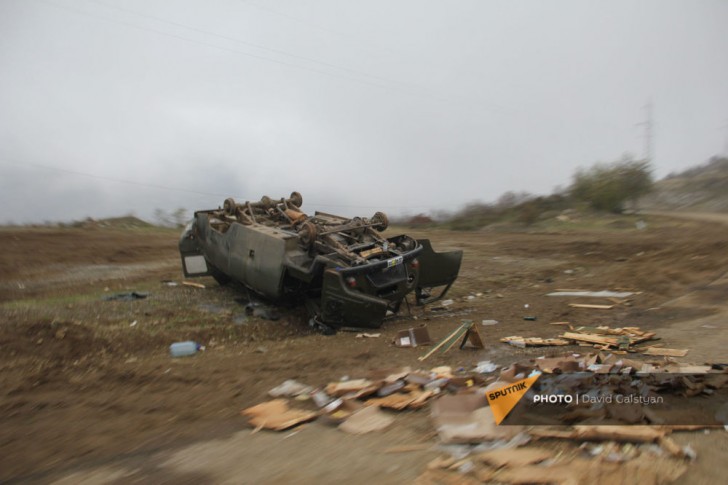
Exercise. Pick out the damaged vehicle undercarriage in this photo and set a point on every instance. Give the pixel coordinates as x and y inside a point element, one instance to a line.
<point>344,270</point>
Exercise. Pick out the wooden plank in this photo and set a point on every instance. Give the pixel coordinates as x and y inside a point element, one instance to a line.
<point>456,337</point>
<point>451,338</point>
<point>472,339</point>
<point>591,338</point>
<point>194,285</point>
<point>593,307</point>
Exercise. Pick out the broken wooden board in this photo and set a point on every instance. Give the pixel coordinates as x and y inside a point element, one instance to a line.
<point>592,294</point>
<point>276,415</point>
<point>685,369</point>
<point>193,284</point>
<point>521,342</point>
<point>590,306</point>
<point>399,401</point>
<point>665,352</point>
<point>514,457</point>
<point>630,434</point>
<point>338,389</point>
<point>591,338</point>
<point>448,342</point>
<point>366,420</point>
<point>595,472</point>
<point>472,339</point>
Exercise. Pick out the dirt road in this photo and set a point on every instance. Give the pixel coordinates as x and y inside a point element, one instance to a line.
<point>89,394</point>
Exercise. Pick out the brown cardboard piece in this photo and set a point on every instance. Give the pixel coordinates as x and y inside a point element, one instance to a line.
<point>276,415</point>
<point>465,418</point>
<point>366,420</point>
<point>413,337</point>
<point>559,364</point>
<point>472,339</point>
<point>338,389</point>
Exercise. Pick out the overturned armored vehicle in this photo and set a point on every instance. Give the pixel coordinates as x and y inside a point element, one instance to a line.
<point>345,271</point>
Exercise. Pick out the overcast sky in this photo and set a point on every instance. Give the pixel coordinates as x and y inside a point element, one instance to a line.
<point>112,107</point>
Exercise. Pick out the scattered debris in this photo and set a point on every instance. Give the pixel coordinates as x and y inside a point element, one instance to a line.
<point>193,284</point>
<point>290,388</point>
<point>594,307</point>
<point>592,294</point>
<point>465,418</point>
<point>485,367</point>
<point>184,349</point>
<point>665,352</point>
<point>522,342</point>
<point>130,296</point>
<point>276,415</point>
<point>368,335</point>
<point>354,386</point>
<point>413,337</point>
<point>515,457</point>
<point>530,318</point>
<point>366,420</point>
<point>489,322</point>
<point>469,334</point>
<point>632,434</point>
<point>606,337</point>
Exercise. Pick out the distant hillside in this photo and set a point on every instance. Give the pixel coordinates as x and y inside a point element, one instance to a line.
<point>124,222</point>
<point>702,188</point>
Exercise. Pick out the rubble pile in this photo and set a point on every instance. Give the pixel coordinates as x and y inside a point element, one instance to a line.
<point>586,444</point>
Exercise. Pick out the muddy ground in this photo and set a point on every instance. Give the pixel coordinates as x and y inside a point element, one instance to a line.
<point>88,392</point>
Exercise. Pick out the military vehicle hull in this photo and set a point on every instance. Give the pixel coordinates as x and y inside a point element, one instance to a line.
<point>343,270</point>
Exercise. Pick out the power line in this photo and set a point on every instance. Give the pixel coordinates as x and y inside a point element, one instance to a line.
<point>239,41</point>
<point>113,179</point>
<point>206,44</point>
<point>314,25</point>
<point>404,88</point>
<point>185,190</point>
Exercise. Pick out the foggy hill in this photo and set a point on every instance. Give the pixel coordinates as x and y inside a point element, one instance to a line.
<point>701,188</point>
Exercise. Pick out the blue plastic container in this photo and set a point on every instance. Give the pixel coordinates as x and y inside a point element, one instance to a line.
<point>183,349</point>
